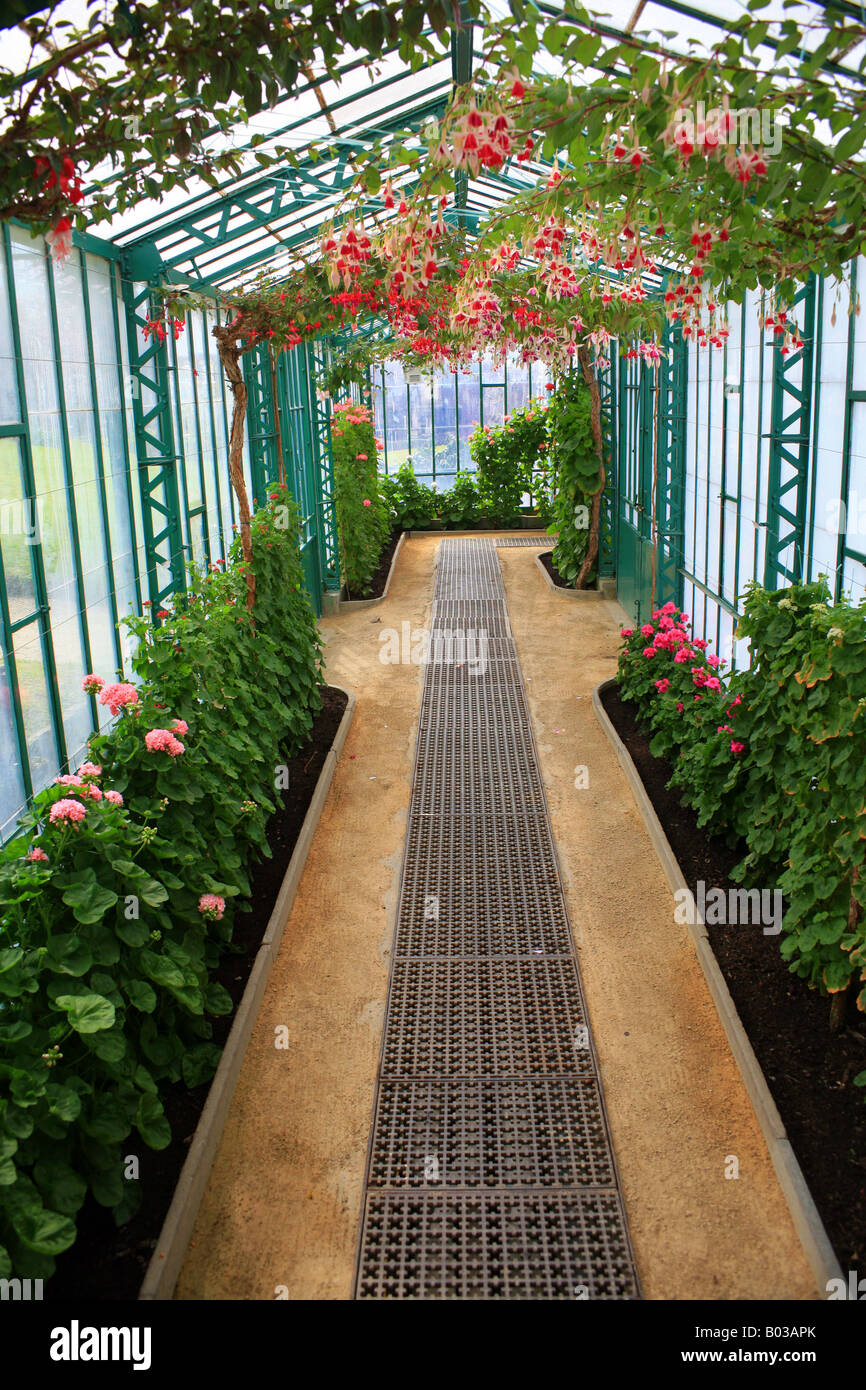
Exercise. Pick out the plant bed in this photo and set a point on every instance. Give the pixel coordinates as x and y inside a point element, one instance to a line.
<point>808,1069</point>
<point>107,1262</point>
<point>379,578</point>
<point>557,581</point>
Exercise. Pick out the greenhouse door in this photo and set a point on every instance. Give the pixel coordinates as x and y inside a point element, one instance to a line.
<point>634,520</point>
<point>652,415</point>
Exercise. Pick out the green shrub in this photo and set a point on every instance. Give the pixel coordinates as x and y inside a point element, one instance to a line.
<point>575,473</point>
<point>774,757</point>
<point>460,506</point>
<point>510,460</point>
<point>412,505</point>
<point>116,894</point>
<point>363,522</point>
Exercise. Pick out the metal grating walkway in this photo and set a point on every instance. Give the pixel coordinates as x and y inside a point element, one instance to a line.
<point>490,1172</point>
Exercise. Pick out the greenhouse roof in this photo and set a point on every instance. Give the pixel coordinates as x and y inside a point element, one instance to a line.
<point>268,220</point>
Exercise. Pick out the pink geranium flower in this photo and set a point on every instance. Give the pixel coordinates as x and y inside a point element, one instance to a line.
<point>736,747</point>
<point>90,770</point>
<point>37,855</point>
<point>163,741</point>
<point>662,685</point>
<point>114,798</point>
<point>180,726</point>
<point>91,684</point>
<point>647,630</point>
<point>363,457</point>
<point>69,779</point>
<point>626,631</point>
<point>69,811</point>
<point>118,695</point>
<point>648,652</point>
<point>680,706</point>
<point>367,502</point>
<point>212,906</point>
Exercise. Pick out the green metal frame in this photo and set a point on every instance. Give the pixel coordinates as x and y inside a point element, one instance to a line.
<point>483,386</point>
<point>156,456</point>
<point>671,465</point>
<point>790,439</point>
<point>318,362</point>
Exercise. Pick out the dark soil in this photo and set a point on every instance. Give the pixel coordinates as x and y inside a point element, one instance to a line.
<point>380,578</point>
<point>547,560</point>
<point>107,1263</point>
<point>809,1070</point>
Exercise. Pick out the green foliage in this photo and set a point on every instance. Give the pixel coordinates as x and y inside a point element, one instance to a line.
<point>511,460</point>
<point>411,504</point>
<point>362,515</point>
<point>774,758</point>
<point>460,506</point>
<point>109,937</point>
<point>576,475</point>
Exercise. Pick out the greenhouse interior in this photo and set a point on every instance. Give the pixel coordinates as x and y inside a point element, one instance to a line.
<point>433,608</point>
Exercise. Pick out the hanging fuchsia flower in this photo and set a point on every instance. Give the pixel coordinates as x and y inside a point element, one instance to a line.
<point>118,695</point>
<point>59,240</point>
<point>37,855</point>
<point>114,798</point>
<point>70,812</point>
<point>211,906</point>
<point>92,684</point>
<point>163,741</point>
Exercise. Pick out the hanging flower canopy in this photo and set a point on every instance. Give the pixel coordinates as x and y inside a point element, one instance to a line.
<point>639,187</point>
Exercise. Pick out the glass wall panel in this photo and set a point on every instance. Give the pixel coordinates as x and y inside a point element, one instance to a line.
<point>12,792</point>
<point>10,408</point>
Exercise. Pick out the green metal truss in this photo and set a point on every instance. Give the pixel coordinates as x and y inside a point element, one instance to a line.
<point>155,454</point>
<point>261,420</point>
<point>319,359</point>
<point>671,463</point>
<point>790,433</point>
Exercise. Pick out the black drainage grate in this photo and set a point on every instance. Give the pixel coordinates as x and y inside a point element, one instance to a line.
<point>490,1172</point>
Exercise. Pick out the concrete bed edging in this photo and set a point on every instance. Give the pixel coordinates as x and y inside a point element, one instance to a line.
<point>606,589</point>
<point>805,1215</point>
<point>481,533</point>
<point>171,1247</point>
<point>333,604</point>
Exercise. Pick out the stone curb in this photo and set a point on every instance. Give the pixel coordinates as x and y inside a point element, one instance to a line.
<point>170,1250</point>
<point>807,1221</point>
<point>332,604</point>
<point>579,594</point>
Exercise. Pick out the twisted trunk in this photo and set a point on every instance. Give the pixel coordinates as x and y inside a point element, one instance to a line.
<point>230,356</point>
